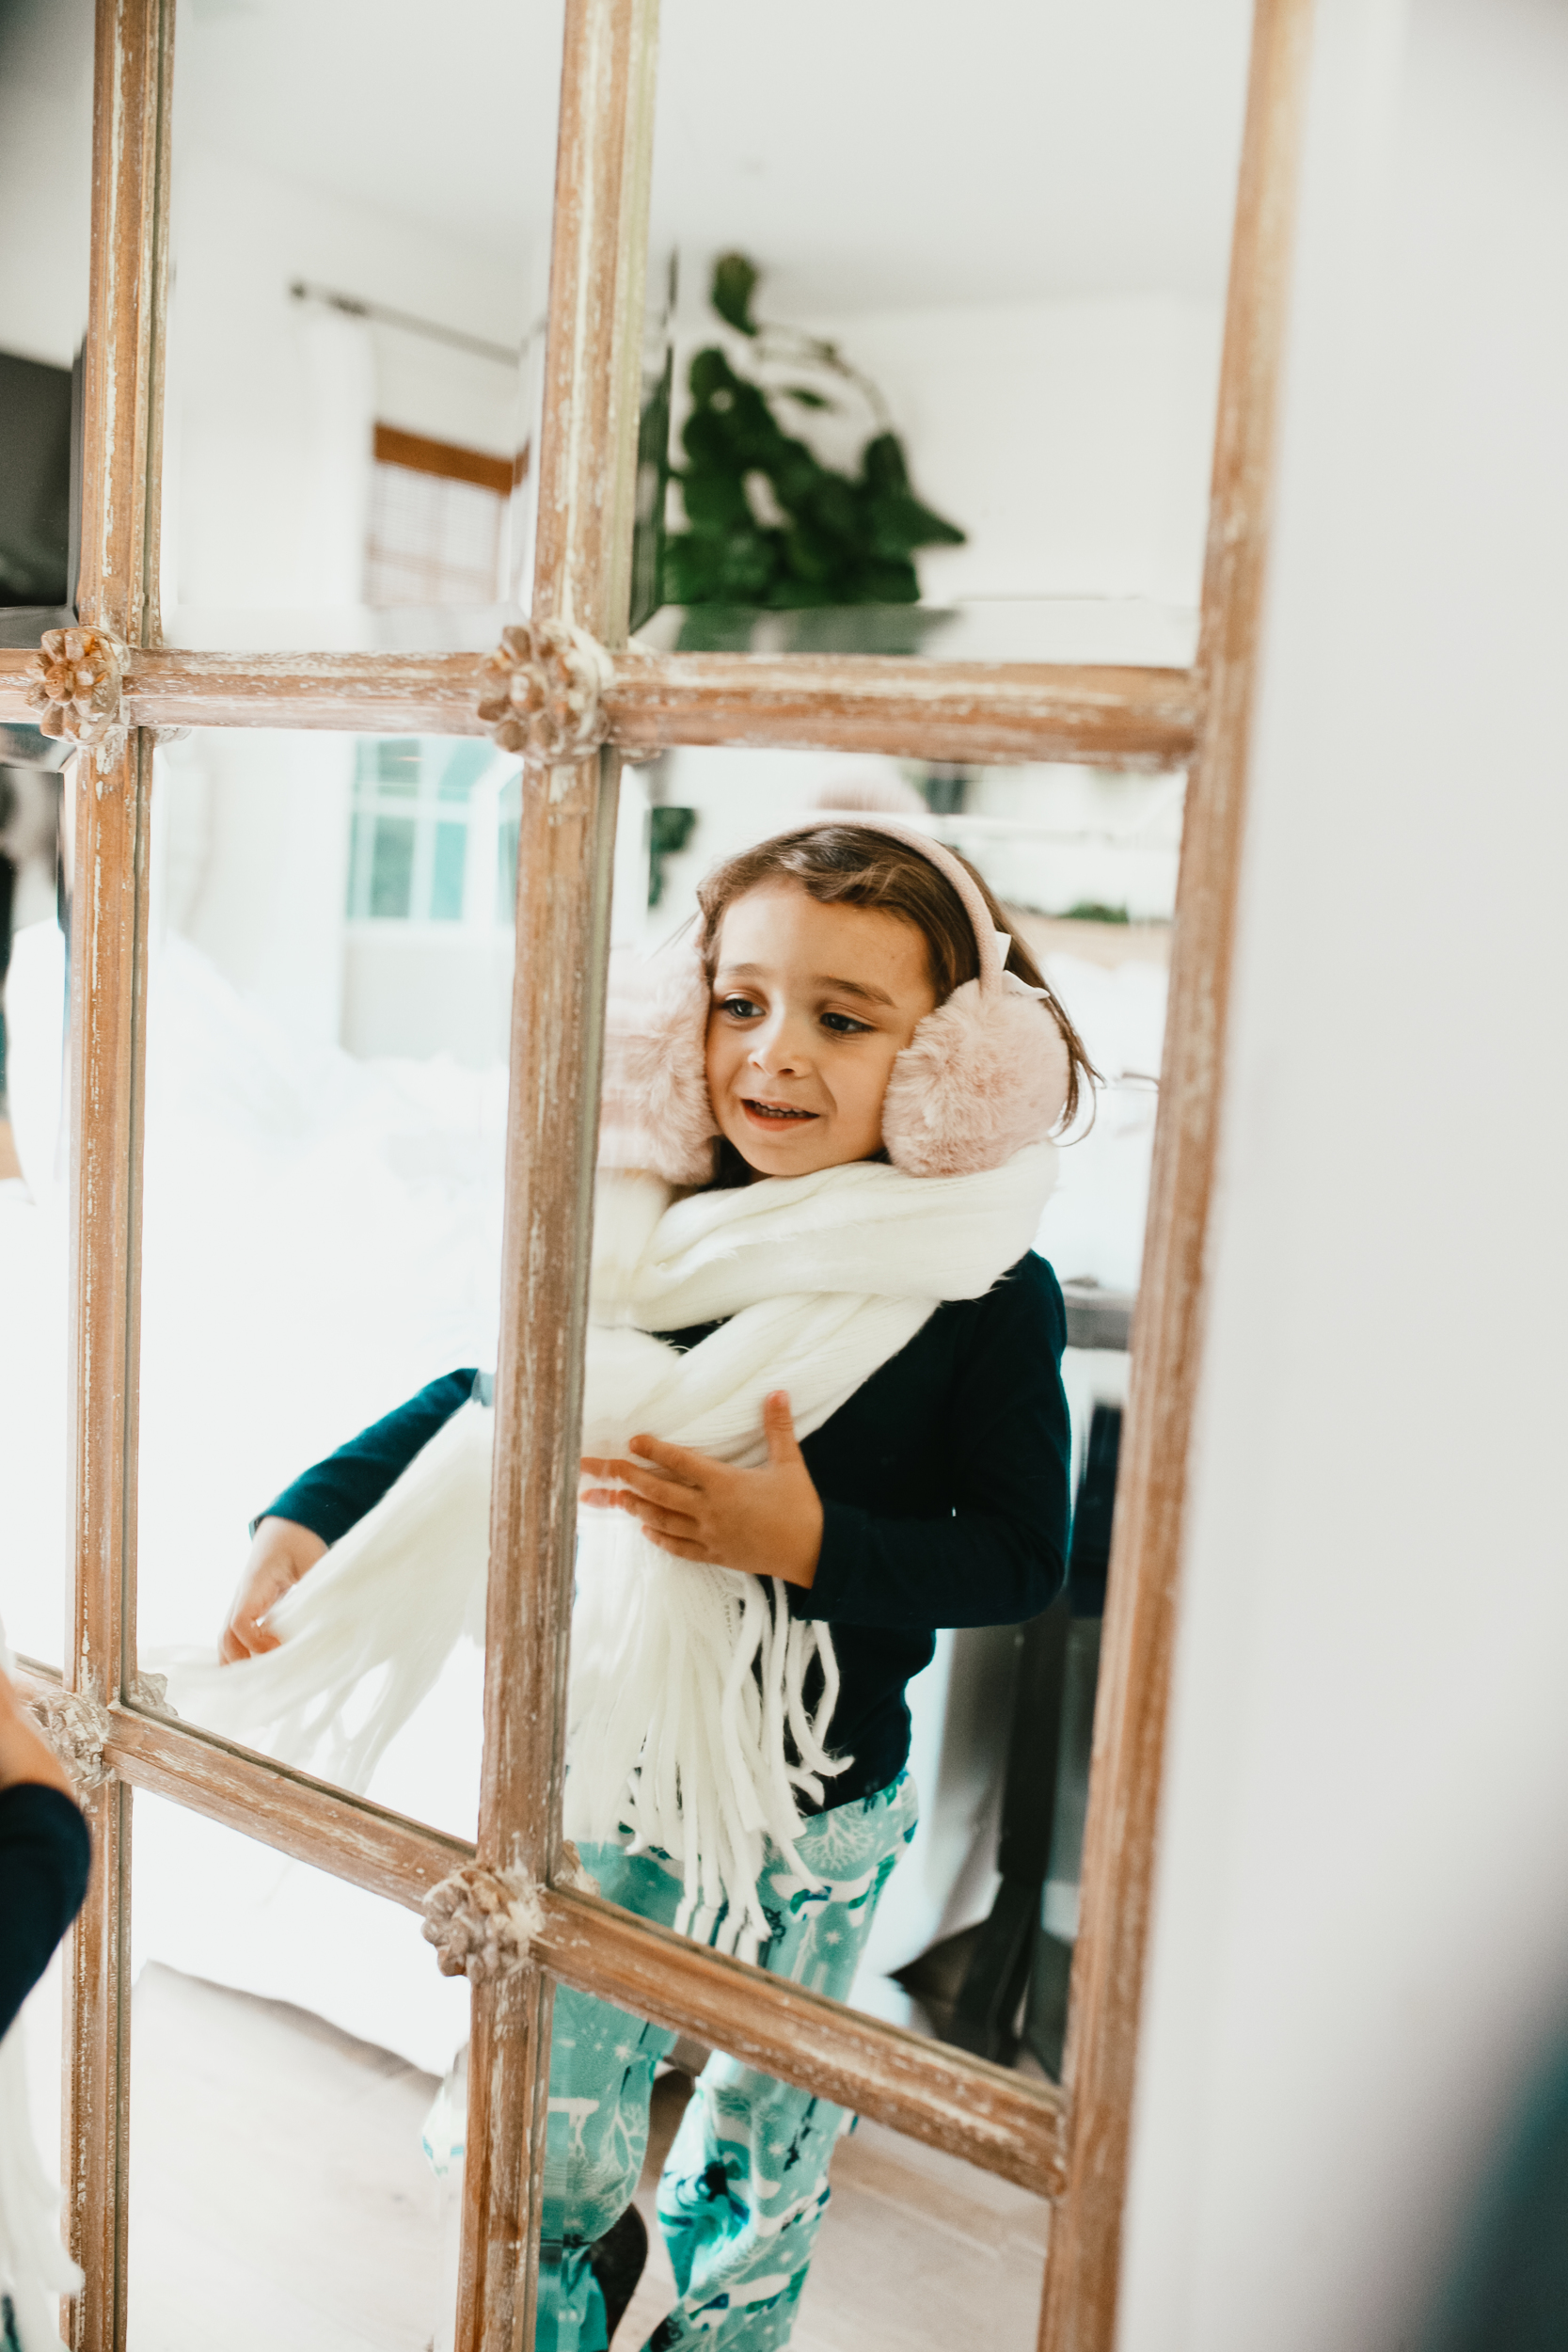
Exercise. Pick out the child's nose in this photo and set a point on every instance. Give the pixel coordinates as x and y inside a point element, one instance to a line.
<point>777,1047</point>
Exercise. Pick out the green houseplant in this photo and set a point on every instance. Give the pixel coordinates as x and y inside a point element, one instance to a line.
<point>768,522</point>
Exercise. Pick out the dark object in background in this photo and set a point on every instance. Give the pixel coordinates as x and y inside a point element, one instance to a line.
<point>833,538</point>
<point>1510,2291</point>
<point>7,898</point>
<point>45,1855</point>
<point>36,437</point>
<point>618,2261</point>
<point>669,831</point>
<point>974,1984</point>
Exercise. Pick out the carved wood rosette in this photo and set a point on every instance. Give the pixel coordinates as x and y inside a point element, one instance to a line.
<point>542,693</point>
<point>76,687</point>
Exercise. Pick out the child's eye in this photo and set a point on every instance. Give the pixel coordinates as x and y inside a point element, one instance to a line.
<point>845,1024</point>
<point>740,1008</point>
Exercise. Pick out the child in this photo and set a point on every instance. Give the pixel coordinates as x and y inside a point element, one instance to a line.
<point>853,1091</point>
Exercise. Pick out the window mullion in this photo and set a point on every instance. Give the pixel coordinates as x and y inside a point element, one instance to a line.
<point>108,892</point>
<point>565,844</point>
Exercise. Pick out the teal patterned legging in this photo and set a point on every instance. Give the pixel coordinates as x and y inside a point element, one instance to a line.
<point>746,2186</point>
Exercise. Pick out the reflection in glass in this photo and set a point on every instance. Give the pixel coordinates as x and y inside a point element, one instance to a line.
<point>35,807</point>
<point>355,335</point>
<point>289,2035</point>
<point>982,1907</point>
<point>970,273</point>
<point>328,994</point>
<point>680,2185</point>
<point>45,201</point>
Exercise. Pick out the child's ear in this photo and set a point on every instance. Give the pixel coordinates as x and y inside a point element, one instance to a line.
<point>653,1109</point>
<point>981,1077</point>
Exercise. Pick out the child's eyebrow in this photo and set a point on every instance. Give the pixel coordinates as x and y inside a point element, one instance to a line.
<point>819,980</point>
<point>853,988</point>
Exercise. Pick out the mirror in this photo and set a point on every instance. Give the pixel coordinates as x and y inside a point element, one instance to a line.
<point>267,1989</point>
<point>360,223</point>
<point>947,336</point>
<point>680,2186</point>
<point>329,1000</point>
<point>45,200</point>
<point>964,1649</point>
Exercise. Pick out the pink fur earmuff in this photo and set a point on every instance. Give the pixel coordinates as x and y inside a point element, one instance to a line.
<point>984,1075</point>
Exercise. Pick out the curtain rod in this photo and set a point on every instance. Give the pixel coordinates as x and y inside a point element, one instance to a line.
<point>380,316</point>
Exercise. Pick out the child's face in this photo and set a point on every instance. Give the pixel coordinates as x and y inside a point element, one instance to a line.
<point>811,1006</point>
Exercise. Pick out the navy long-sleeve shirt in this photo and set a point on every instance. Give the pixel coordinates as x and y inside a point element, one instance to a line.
<point>44,1857</point>
<point>944,1493</point>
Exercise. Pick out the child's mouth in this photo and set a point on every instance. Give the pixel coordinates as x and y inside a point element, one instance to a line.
<point>774,1114</point>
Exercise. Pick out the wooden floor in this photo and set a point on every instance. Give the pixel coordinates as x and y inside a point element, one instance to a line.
<point>279,2199</point>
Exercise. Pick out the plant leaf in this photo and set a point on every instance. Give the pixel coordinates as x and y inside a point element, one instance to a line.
<point>734,282</point>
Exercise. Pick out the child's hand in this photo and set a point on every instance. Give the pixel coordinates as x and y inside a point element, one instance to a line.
<point>767,1521</point>
<point>278,1558</point>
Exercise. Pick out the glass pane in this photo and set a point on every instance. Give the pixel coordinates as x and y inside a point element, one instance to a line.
<point>682,2187</point>
<point>328,1004</point>
<point>965,407</point>
<point>355,331</point>
<point>45,201</point>
<point>289,2037</point>
<point>899,1659</point>
<point>35,1121</point>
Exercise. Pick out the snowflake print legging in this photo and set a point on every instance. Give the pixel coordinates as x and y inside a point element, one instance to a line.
<point>747,2182</point>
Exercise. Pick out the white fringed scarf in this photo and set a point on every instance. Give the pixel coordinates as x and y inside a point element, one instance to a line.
<point>688,1682</point>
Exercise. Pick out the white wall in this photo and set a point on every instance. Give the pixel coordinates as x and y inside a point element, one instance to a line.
<point>45,176</point>
<point>250,841</point>
<point>1070,439</point>
<point>1361,1936</point>
<point>271,402</point>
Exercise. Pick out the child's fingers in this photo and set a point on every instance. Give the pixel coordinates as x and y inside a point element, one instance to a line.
<point>637,1480</point>
<point>681,1461</point>
<point>651,1517</point>
<point>665,1493</point>
<point>668,1457</point>
<point>778,1424</point>
<point>682,1549</point>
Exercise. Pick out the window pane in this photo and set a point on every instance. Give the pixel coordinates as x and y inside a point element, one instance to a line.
<point>445,882</point>
<point>325,1114</point>
<point>45,203</point>
<point>391,867</point>
<point>666,2163</point>
<point>356,333</point>
<point>35,1122</point>
<point>966,406</point>
<point>955,1580</point>
<point>289,2036</point>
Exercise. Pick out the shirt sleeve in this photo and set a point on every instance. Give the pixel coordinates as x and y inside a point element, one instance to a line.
<point>1000,1556</point>
<point>45,1855</point>
<point>334,1494</point>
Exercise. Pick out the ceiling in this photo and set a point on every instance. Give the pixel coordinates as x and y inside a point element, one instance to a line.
<point>870,153</point>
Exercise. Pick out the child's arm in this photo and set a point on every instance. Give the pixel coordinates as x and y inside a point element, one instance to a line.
<point>45,1853</point>
<point>325,1502</point>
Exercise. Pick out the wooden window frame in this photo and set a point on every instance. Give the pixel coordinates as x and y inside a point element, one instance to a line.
<point>1069,2144</point>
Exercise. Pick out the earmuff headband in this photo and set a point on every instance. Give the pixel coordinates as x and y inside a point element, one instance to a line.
<point>992,945</point>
